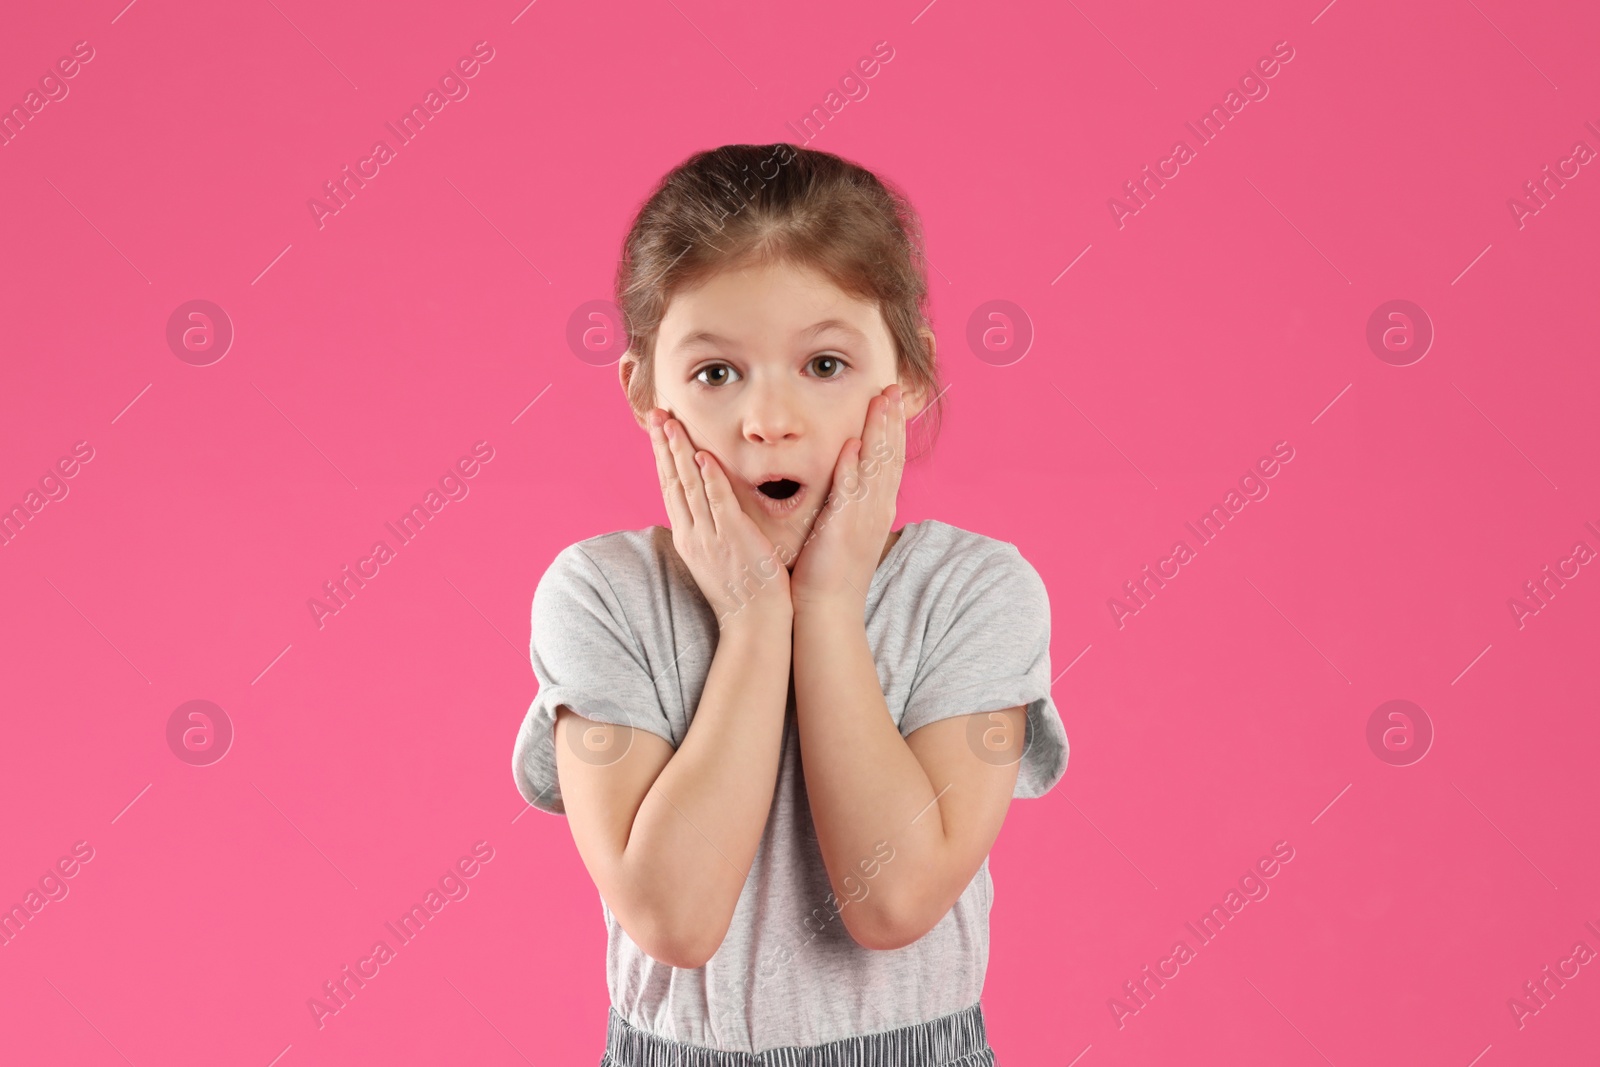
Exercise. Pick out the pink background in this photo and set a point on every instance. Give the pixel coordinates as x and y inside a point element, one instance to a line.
<point>370,354</point>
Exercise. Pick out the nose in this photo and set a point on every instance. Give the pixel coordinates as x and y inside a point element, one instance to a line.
<point>772,413</point>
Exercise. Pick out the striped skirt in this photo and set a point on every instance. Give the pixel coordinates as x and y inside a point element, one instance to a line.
<point>956,1040</point>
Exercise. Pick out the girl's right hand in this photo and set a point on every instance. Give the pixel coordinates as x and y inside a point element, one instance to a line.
<point>734,564</point>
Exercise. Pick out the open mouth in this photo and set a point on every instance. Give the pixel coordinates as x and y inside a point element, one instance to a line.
<point>779,488</point>
<point>779,496</point>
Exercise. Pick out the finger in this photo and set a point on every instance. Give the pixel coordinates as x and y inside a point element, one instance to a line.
<point>890,446</point>
<point>847,485</point>
<point>857,475</point>
<point>694,492</point>
<point>880,448</point>
<point>874,448</point>
<point>671,485</point>
<point>719,495</point>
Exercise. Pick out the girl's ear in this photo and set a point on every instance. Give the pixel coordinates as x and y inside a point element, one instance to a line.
<point>626,366</point>
<point>917,398</point>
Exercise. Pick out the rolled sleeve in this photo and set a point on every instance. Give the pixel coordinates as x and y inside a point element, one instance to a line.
<point>992,651</point>
<point>586,656</point>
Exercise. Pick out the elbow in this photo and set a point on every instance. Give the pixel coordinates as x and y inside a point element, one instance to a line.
<point>681,941</point>
<point>691,952</point>
<point>885,928</point>
<point>674,954</point>
<point>670,923</point>
<point>898,937</point>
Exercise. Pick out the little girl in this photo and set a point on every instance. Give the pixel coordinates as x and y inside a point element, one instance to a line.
<point>837,914</point>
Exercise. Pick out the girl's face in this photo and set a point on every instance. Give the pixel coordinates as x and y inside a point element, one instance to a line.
<point>770,369</point>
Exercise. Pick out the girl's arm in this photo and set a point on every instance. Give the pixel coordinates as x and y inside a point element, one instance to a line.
<point>937,798</point>
<point>668,836</point>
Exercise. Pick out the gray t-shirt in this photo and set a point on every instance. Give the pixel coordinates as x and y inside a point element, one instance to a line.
<point>958,623</point>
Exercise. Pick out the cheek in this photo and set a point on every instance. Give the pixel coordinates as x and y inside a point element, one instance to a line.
<point>699,424</point>
<point>856,418</point>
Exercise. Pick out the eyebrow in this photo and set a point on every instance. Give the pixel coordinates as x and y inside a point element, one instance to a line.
<point>707,339</point>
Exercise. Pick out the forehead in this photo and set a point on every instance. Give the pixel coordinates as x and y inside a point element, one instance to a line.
<point>740,307</point>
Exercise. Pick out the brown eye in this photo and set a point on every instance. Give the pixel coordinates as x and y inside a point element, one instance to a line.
<point>835,361</point>
<point>718,383</point>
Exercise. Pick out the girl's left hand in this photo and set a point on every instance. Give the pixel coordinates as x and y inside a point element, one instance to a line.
<point>842,552</point>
